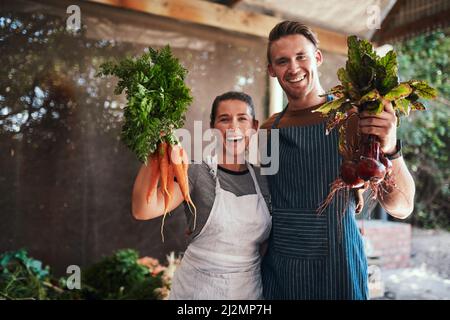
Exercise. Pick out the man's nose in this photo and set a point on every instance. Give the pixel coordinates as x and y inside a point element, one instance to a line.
<point>293,66</point>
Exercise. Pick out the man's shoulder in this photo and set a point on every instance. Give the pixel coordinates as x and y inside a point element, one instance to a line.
<point>269,122</point>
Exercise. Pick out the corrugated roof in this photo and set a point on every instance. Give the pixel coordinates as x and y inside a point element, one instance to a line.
<point>413,17</point>
<point>359,17</point>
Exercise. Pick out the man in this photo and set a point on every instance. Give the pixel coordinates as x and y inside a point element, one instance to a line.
<point>314,256</point>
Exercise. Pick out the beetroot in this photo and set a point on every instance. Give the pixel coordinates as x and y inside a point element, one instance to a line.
<point>370,169</point>
<point>364,167</point>
<point>366,82</point>
<point>350,176</point>
<point>369,166</point>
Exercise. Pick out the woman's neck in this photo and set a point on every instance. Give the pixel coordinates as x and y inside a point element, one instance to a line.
<point>234,166</point>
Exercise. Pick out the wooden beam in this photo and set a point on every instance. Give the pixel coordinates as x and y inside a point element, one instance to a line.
<point>231,3</point>
<point>223,17</point>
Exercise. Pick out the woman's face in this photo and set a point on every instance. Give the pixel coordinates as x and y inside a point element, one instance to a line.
<point>236,125</point>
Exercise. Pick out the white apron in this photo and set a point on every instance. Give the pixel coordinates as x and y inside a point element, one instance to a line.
<point>223,261</point>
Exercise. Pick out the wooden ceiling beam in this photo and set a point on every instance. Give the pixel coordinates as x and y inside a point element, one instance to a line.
<point>223,17</point>
<point>231,3</point>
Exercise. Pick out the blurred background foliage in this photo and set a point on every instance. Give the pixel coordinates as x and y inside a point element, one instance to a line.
<point>425,134</point>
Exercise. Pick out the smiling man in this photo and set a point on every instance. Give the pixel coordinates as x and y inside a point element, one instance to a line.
<point>314,256</point>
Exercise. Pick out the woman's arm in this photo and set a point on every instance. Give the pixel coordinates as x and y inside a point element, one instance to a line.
<point>142,210</point>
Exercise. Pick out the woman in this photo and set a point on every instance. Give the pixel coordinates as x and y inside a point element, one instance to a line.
<point>222,260</point>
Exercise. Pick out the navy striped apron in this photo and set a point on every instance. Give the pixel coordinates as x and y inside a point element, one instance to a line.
<point>309,257</point>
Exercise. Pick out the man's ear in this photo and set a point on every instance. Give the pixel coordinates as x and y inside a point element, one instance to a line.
<point>319,57</point>
<point>271,71</point>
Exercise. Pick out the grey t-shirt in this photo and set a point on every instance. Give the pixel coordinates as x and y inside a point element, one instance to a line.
<point>202,189</point>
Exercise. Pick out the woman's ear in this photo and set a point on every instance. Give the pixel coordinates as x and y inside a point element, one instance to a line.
<point>255,124</point>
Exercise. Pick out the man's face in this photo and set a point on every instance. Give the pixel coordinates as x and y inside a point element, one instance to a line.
<point>294,62</point>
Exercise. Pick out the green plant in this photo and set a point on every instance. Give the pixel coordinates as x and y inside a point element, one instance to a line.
<point>22,277</point>
<point>367,82</point>
<point>157,98</point>
<point>120,276</point>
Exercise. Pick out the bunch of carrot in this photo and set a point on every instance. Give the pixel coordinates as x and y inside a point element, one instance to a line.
<point>157,101</point>
<point>168,163</point>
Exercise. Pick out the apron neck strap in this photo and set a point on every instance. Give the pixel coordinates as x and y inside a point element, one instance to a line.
<point>255,181</point>
<point>281,114</point>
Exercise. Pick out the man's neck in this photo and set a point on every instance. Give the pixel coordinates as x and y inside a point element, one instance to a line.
<point>311,99</point>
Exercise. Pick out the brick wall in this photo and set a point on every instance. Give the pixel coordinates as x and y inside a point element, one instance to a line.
<point>388,243</point>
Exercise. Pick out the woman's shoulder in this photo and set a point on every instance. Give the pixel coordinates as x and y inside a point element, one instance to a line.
<point>198,169</point>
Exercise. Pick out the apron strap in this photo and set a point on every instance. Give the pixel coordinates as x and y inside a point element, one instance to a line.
<point>255,181</point>
<point>211,161</point>
<point>278,118</point>
<point>281,114</point>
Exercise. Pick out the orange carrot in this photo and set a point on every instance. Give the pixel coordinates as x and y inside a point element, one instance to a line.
<point>179,171</point>
<point>168,195</point>
<point>154,176</point>
<point>163,165</point>
<point>173,163</point>
<point>170,187</point>
<point>180,165</point>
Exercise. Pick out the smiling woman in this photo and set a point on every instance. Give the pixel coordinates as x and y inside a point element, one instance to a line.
<point>232,212</point>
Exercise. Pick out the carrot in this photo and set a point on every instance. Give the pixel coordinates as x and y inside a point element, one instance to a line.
<point>170,187</point>
<point>185,160</point>
<point>154,177</point>
<point>173,163</point>
<point>163,165</point>
<point>180,165</point>
<point>168,195</point>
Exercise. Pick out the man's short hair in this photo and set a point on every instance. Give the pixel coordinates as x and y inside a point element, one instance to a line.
<point>287,28</point>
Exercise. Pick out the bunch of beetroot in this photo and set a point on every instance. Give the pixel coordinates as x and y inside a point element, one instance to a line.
<point>366,81</point>
<point>371,166</point>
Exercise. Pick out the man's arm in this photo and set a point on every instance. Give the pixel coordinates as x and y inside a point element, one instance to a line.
<point>398,202</point>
